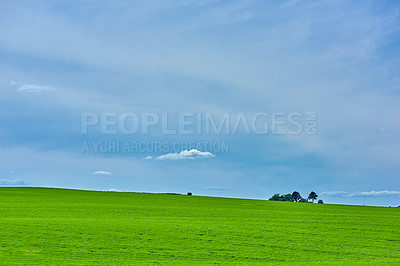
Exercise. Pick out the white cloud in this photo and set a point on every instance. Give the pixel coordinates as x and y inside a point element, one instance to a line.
<point>148,157</point>
<point>32,88</point>
<point>376,193</point>
<point>361,194</point>
<point>102,173</point>
<point>334,193</point>
<point>192,154</point>
<point>217,188</point>
<point>384,129</point>
<point>12,182</point>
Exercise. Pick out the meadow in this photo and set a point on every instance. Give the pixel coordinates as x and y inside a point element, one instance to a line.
<point>74,227</point>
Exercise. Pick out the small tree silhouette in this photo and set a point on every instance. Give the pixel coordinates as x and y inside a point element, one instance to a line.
<point>287,197</point>
<point>320,201</point>
<point>296,196</point>
<point>189,193</point>
<point>313,196</point>
<point>275,197</point>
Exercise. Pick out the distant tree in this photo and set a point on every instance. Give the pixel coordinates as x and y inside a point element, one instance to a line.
<point>296,196</point>
<point>320,201</point>
<point>287,197</point>
<point>189,193</point>
<point>313,196</point>
<point>275,197</point>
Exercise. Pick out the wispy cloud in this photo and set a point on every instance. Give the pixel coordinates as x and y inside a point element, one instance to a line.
<point>102,173</point>
<point>192,154</point>
<point>216,188</point>
<point>376,193</point>
<point>12,182</point>
<point>372,193</point>
<point>334,193</point>
<point>148,157</point>
<point>32,88</point>
<point>384,129</point>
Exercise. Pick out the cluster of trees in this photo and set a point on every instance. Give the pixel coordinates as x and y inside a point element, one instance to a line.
<point>296,197</point>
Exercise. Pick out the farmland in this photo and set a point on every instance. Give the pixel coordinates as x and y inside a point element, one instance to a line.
<point>61,226</point>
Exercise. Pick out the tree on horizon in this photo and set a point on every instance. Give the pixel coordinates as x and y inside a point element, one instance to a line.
<point>278,197</point>
<point>313,196</point>
<point>296,196</point>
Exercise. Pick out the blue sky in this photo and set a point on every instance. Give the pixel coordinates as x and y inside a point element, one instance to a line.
<point>339,59</point>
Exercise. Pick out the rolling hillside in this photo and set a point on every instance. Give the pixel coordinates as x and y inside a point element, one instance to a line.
<point>60,226</point>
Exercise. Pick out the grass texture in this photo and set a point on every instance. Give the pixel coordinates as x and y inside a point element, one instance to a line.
<point>73,227</point>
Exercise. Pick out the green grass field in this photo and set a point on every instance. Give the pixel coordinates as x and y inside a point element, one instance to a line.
<point>59,226</point>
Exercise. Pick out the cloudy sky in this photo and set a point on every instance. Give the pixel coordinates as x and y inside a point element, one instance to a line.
<point>60,60</point>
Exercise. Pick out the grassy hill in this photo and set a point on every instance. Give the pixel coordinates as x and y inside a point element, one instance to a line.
<point>59,226</point>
